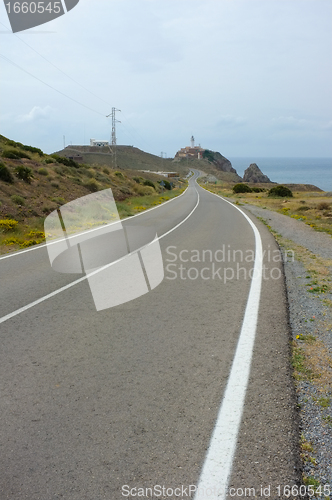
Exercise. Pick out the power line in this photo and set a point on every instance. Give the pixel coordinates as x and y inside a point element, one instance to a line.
<point>127,122</point>
<point>56,67</point>
<point>50,86</point>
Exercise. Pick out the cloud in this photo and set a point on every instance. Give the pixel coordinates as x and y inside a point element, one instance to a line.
<point>291,123</point>
<point>37,113</point>
<point>231,121</point>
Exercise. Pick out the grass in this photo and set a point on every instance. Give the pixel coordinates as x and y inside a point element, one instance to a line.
<point>313,208</point>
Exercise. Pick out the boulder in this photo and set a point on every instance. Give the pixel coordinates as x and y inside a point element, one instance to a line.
<point>254,174</point>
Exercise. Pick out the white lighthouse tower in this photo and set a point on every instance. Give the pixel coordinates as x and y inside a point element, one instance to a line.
<point>192,141</point>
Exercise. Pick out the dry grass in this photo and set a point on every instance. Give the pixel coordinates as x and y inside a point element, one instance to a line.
<point>312,207</point>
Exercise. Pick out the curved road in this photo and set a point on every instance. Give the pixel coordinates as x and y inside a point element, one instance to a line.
<point>111,404</point>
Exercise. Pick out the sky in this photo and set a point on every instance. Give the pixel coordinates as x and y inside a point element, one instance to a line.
<point>245,77</point>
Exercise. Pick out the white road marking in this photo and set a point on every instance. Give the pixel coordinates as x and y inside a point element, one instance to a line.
<point>38,247</point>
<point>217,467</point>
<point>73,283</point>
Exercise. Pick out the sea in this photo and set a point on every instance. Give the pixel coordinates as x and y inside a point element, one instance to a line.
<point>316,171</point>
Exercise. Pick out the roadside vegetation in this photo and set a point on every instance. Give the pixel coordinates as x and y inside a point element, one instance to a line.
<point>33,184</point>
<point>301,202</point>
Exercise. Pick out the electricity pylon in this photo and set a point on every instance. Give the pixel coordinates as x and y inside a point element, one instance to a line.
<point>113,136</point>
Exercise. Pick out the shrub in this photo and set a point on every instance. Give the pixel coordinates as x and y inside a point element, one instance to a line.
<point>14,154</point>
<point>58,200</point>
<point>17,199</point>
<point>48,210</point>
<point>303,208</point>
<point>167,184</point>
<point>30,243</point>
<point>147,182</point>
<point>106,171</point>
<point>125,190</point>
<point>65,161</point>
<point>32,149</point>
<point>11,241</point>
<point>90,173</point>
<point>242,188</point>
<point>59,171</point>
<point>49,160</point>
<point>14,144</point>
<point>257,189</point>
<point>24,173</point>
<point>10,155</point>
<point>8,224</point>
<point>36,234</point>
<point>281,191</point>
<point>137,179</point>
<point>323,206</point>
<point>119,174</point>
<point>5,174</point>
<point>43,171</point>
<point>92,185</point>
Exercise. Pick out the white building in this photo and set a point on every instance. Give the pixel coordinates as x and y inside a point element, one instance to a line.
<point>95,142</point>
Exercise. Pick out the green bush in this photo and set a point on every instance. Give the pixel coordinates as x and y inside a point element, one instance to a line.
<point>92,185</point>
<point>49,160</point>
<point>58,200</point>
<point>24,173</point>
<point>119,174</point>
<point>137,179</point>
<point>5,174</point>
<point>14,154</point>
<point>281,191</point>
<point>208,155</point>
<point>17,199</point>
<point>242,188</point>
<point>23,146</point>
<point>43,171</point>
<point>257,190</point>
<point>65,161</point>
<point>32,149</point>
<point>147,182</point>
<point>167,184</point>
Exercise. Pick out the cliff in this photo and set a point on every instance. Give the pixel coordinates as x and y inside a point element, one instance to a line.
<point>221,163</point>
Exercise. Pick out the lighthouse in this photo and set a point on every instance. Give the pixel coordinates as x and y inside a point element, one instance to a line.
<point>192,141</point>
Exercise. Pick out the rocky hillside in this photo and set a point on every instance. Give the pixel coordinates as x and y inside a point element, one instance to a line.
<point>221,163</point>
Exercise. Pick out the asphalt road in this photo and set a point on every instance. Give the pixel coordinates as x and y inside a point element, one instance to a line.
<point>94,404</point>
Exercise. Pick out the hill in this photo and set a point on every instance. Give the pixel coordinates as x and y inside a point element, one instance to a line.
<point>33,184</point>
<point>129,157</point>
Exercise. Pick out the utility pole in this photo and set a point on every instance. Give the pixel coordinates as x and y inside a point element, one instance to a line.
<point>113,136</point>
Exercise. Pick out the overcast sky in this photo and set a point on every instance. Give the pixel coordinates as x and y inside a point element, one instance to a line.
<point>245,77</point>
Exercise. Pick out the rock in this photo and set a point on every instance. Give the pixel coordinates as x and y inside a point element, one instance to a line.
<point>254,174</point>
<point>221,163</point>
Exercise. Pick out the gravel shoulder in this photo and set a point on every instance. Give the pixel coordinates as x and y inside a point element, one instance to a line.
<point>310,317</point>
